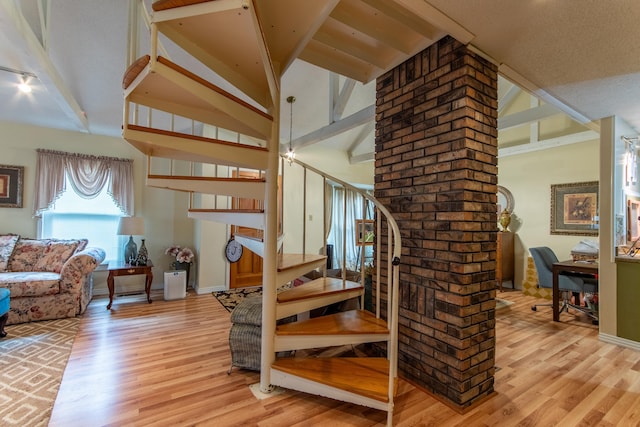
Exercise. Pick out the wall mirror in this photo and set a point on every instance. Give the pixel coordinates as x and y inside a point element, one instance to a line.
<point>505,200</point>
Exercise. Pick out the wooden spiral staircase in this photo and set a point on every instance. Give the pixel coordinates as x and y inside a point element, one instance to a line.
<point>234,39</point>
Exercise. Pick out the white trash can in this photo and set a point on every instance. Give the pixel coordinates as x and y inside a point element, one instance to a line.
<point>175,284</point>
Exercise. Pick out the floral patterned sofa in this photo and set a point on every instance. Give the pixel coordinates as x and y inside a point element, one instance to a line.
<point>47,278</point>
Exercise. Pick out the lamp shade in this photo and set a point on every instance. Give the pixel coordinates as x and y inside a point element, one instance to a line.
<point>131,226</point>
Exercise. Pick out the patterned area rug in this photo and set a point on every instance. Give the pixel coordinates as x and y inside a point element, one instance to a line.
<point>229,299</point>
<point>33,357</point>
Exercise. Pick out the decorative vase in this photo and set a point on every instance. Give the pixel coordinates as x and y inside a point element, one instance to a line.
<point>143,255</point>
<point>130,251</point>
<point>186,266</point>
<point>505,219</point>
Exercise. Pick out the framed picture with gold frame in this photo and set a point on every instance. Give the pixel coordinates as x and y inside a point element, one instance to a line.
<point>11,186</point>
<point>574,209</point>
<point>365,234</point>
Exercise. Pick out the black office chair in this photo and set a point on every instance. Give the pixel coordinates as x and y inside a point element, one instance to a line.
<point>543,258</point>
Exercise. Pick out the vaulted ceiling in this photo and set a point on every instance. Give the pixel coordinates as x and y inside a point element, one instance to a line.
<point>563,67</point>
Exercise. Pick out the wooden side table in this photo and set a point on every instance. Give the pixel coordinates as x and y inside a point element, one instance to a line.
<point>119,268</point>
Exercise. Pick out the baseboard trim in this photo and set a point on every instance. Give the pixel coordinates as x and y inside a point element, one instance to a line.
<point>612,339</point>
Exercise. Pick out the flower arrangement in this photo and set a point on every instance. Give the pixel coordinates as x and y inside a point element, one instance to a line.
<point>181,254</point>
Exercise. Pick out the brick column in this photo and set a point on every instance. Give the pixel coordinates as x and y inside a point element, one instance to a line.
<point>436,171</point>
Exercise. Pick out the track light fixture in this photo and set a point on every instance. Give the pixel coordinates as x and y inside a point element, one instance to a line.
<point>24,86</point>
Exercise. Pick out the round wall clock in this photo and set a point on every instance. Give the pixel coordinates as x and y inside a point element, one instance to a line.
<point>233,250</point>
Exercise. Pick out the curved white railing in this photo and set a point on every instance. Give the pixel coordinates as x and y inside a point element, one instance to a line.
<point>394,248</point>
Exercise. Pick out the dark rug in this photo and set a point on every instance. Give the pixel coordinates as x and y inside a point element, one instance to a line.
<point>229,299</point>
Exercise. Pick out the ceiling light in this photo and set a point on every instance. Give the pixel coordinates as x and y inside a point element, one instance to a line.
<point>24,86</point>
<point>291,155</point>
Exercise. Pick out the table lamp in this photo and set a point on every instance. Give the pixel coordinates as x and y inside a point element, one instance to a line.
<point>130,225</point>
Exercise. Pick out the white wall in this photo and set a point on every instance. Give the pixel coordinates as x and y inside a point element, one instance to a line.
<point>164,211</point>
<point>529,177</point>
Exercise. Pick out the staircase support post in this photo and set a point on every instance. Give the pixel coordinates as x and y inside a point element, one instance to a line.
<point>270,259</point>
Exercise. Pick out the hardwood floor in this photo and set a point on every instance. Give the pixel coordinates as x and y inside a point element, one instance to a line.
<point>165,364</point>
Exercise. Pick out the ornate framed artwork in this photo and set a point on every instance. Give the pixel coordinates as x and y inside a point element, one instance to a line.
<point>574,209</point>
<point>365,232</point>
<point>11,186</point>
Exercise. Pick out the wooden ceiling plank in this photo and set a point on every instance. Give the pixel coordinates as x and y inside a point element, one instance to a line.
<point>328,58</point>
<point>366,53</point>
<point>411,20</point>
<point>374,24</point>
<point>438,19</point>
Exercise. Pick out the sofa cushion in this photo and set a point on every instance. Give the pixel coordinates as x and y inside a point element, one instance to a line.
<point>55,255</point>
<point>7,245</point>
<point>30,284</point>
<point>26,254</point>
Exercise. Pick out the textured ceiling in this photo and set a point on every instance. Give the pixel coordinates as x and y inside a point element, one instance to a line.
<point>586,58</point>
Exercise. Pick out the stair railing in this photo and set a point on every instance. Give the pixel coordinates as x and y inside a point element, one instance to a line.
<point>393,254</point>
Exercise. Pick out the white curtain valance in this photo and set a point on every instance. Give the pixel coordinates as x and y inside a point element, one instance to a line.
<point>87,174</point>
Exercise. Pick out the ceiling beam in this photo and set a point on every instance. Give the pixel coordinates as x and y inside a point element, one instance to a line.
<point>549,143</point>
<point>343,98</point>
<point>362,117</point>
<point>362,158</point>
<point>507,98</point>
<point>44,68</point>
<point>359,140</point>
<point>527,116</point>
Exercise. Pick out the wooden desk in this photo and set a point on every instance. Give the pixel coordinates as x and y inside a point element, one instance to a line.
<point>119,268</point>
<point>567,267</point>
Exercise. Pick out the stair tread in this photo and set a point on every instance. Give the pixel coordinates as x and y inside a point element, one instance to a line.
<point>195,137</point>
<point>346,322</point>
<point>252,234</point>
<point>205,178</point>
<point>193,148</point>
<point>365,376</point>
<point>239,211</point>
<point>287,261</point>
<point>161,83</point>
<point>316,287</point>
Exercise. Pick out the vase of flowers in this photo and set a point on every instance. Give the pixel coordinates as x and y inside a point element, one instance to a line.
<point>183,258</point>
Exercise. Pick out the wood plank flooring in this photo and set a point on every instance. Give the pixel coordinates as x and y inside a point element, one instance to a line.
<point>165,364</point>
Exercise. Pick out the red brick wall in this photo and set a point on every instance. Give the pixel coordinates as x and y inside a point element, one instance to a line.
<point>436,167</point>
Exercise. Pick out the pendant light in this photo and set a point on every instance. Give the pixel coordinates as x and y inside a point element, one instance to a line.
<point>290,153</point>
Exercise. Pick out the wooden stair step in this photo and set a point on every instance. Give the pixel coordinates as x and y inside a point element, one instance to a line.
<point>316,287</point>
<point>290,261</point>
<point>317,293</point>
<point>364,376</point>
<point>224,36</point>
<point>253,240</point>
<point>345,322</point>
<point>252,218</point>
<point>164,85</point>
<point>292,266</point>
<point>193,148</point>
<point>251,188</point>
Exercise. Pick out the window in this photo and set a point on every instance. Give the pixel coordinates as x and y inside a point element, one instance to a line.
<point>72,217</point>
<point>83,196</point>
